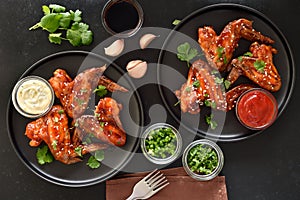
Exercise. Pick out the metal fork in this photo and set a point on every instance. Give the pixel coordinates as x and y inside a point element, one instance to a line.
<point>149,185</point>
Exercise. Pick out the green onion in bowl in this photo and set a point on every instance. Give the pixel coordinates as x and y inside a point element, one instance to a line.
<point>161,143</point>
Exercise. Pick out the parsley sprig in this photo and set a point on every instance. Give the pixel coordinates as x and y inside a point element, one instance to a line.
<point>186,53</point>
<point>100,90</point>
<point>260,66</point>
<point>94,161</point>
<point>56,20</point>
<point>44,155</point>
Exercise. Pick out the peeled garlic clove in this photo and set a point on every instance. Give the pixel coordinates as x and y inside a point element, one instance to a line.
<point>137,68</point>
<point>115,48</point>
<point>146,39</point>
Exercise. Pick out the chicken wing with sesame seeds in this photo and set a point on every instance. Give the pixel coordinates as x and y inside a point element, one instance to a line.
<point>74,94</point>
<point>258,67</point>
<point>201,88</point>
<point>219,49</point>
<point>54,131</point>
<point>106,124</point>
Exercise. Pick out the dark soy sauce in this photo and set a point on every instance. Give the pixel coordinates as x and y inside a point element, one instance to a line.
<point>122,16</point>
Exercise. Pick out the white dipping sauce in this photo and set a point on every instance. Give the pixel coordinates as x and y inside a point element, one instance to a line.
<point>34,96</point>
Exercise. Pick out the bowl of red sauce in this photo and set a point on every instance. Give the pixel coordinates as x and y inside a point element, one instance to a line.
<point>256,109</point>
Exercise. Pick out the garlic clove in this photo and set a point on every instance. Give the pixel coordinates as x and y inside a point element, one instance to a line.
<point>137,68</point>
<point>146,39</point>
<point>115,48</point>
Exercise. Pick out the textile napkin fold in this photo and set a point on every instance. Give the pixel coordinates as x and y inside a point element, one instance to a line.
<point>181,187</point>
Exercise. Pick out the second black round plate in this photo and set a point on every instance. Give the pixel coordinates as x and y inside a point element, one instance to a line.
<point>218,16</point>
<point>79,174</point>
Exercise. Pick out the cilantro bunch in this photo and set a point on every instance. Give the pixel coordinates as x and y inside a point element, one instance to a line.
<point>57,21</point>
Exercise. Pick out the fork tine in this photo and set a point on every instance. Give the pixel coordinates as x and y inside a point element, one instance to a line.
<point>158,184</point>
<point>153,176</point>
<point>160,188</point>
<point>150,174</point>
<point>151,181</point>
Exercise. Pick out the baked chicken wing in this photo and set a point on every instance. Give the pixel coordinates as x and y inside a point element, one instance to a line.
<point>54,131</point>
<point>219,49</point>
<point>106,124</point>
<point>74,94</point>
<point>258,67</point>
<point>201,87</point>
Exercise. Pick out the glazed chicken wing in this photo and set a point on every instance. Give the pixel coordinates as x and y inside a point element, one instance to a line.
<point>259,67</point>
<point>219,49</point>
<point>54,131</point>
<point>74,94</point>
<point>106,124</point>
<point>201,87</point>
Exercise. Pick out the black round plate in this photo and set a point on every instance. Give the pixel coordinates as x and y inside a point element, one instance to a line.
<point>218,16</point>
<point>79,174</point>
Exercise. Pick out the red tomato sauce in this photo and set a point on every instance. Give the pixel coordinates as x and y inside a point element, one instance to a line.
<point>257,109</point>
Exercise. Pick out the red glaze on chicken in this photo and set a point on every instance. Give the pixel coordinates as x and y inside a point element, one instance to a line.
<point>106,124</point>
<point>201,87</point>
<point>259,67</point>
<point>54,131</point>
<point>219,49</point>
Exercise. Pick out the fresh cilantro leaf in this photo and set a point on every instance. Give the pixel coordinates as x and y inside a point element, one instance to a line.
<point>196,84</point>
<point>214,71</point>
<point>186,53</point>
<point>46,10</point>
<point>65,21</point>
<point>74,37</point>
<point>260,66</point>
<point>176,22</point>
<point>55,18</point>
<point>50,22</point>
<point>43,155</point>
<point>77,16</point>
<point>209,120</point>
<point>55,38</point>
<point>78,151</point>
<point>220,52</point>
<point>99,155</point>
<point>86,37</point>
<point>227,84</point>
<point>61,112</point>
<point>93,163</point>
<point>57,8</point>
<point>188,89</point>
<point>249,54</point>
<point>79,34</point>
<point>219,80</point>
<point>209,103</point>
<point>100,90</point>
<point>240,58</point>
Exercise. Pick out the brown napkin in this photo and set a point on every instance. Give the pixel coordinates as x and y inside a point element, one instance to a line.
<point>181,187</point>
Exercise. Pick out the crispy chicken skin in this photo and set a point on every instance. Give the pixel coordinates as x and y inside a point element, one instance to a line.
<point>74,94</point>
<point>106,124</point>
<point>200,87</point>
<point>54,131</point>
<point>267,78</point>
<point>219,49</point>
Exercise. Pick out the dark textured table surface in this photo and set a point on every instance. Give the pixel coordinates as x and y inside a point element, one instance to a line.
<point>266,166</point>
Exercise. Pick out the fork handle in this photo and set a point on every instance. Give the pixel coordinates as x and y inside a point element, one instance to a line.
<point>131,197</point>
